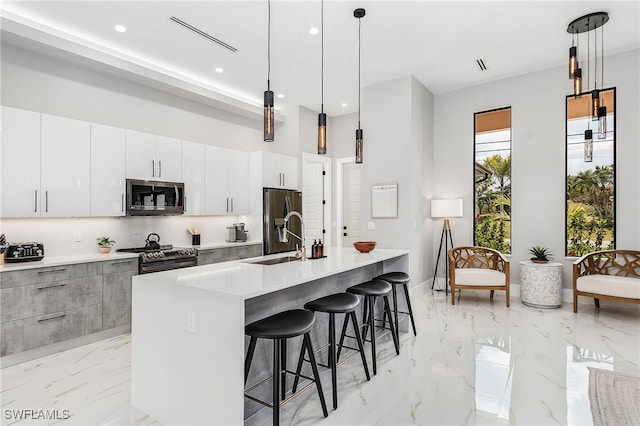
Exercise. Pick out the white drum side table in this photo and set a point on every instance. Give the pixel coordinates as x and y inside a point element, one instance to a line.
<point>541,284</point>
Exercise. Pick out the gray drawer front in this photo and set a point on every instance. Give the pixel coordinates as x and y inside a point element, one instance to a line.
<point>122,265</point>
<point>116,299</point>
<point>225,254</point>
<point>49,274</point>
<point>34,332</point>
<point>44,298</point>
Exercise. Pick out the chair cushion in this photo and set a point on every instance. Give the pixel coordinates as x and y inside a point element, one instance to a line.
<point>336,303</point>
<point>371,288</point>
<point>395,277</point>
<point>282,325</point>
<point>610,285</point>
<point>479,277</point>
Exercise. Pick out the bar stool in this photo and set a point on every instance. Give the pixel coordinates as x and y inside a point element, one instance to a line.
<point>341,303</point>
<point>371,290</point>
<point>397,278</point>
<point>279,328</point>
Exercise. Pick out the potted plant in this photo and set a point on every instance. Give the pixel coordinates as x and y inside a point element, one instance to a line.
<point>105,244</point>
<point>541,254</point>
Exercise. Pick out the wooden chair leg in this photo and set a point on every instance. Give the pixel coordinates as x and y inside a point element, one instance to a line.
<point>453,295</point>
<point>508,296</point>
<point>575,302</point>
<point>597,302</point>
<point>491,296</point>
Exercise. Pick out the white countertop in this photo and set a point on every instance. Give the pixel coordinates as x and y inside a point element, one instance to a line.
<point>226,244</point>
<point>66,260</point>
<point>246,279</point>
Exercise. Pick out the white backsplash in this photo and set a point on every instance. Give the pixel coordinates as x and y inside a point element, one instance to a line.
<point>57,234</point>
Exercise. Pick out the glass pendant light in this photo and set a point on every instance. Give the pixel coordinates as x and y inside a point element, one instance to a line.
<point>602,122</point>
<point>586,24</point>
<point>573,60</point>
<point>588,146</point>
<point>595,104</point>
<point>577,83</point>
<point>322,117</point>
<point>359,13</point>
<point>268,94</point>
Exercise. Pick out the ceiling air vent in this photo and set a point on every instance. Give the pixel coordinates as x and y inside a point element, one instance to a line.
<point>203,34</point>
<point>481,64</point>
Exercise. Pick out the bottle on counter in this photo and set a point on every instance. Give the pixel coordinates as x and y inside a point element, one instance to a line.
<point>320,248</point>
<point>314,249</point>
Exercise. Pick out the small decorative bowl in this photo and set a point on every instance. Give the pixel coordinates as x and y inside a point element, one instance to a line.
<point>364,246</point>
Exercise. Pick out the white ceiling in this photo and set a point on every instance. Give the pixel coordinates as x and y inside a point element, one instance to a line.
<point>436,41</point>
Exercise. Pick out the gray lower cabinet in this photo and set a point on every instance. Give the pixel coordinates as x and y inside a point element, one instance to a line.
<point>116,292</point>
<point>226,254</point>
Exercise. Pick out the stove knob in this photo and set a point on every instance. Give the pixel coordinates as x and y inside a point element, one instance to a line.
<point>157,254</point>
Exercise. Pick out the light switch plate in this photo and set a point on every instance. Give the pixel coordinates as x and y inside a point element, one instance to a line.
<point>77,236</point>
<point>371,225</point>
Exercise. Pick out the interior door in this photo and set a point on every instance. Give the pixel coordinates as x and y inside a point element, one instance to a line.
<point>351,203</point>
<point>312,206</point>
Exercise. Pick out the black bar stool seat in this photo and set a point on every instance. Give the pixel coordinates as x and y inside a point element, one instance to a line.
<point>340,303</point>
<point>371,290</point>
<point>279,328</point>
<point>400,278</point>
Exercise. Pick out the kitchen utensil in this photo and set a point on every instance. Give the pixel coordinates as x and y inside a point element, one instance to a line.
<point>153,241</point>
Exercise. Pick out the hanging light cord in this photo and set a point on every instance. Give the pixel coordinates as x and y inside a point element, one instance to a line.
<point>602,51</point>
<point>322,57</point>
<point>595,63</point>
<point>359,49</point>
<point>269,47</point>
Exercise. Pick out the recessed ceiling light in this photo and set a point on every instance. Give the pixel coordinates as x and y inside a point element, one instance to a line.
<point>280,95</point>
<point>344,104</point>
<point>313,31</point>
<point>219,70</point>
<point>120,28</point>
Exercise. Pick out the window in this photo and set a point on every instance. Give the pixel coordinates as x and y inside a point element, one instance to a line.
<point>591,171</point>
<point>492,179</point>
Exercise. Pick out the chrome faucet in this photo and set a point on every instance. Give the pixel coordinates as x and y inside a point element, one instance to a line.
<point>302,253</point>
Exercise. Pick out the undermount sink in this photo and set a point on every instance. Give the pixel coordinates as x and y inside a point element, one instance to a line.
<point>276,260</point>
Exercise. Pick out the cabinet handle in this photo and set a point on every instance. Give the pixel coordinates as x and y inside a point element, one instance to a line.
<point>283,182</point>
<point>153,168</point>
<point>46,201</point>
<point>35,199</point>
<point>227,205</point>
<point>185,203</point>
<point>44,287</point>
<point>232,204</point>
<point>120,262</point>
<point>60,316</point>
<point>52,270</point>
<point>159,168</point>
<point>122,202</point>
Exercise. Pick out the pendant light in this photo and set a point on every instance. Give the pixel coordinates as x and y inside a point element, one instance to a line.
<point>588,146</point>
<point>359,13</point>
<point>268,94</point>
<point>585,24</point>
<point>322,117</point>
<point>602,110</point>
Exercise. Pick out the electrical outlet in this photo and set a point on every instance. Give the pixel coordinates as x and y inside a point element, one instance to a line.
<point>77,236</point>
<point>191,322</point>
<point>371,225</point>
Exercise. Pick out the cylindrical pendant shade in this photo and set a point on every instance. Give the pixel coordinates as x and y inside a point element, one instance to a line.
<point>577,83</point>
<point>268,116</point>
<point>602,122</point>
<point>322,133</point>
<point>359,143</point>
<point>573,61</point>
<point>595,104</point>
<point>588,146</point>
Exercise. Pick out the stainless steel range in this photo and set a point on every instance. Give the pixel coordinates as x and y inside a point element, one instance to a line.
<point>155,257</point>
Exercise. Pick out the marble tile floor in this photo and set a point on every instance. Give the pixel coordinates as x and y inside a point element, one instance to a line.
<point>474,363</point>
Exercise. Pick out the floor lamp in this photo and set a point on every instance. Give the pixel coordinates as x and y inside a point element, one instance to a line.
<point>445,209</point>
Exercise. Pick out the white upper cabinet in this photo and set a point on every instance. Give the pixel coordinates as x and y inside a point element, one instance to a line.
<point>193,177</point>
<point>279,171</point>
<point>107,170</point>
<point>151,157</point>
<point>65,151</point>
<point>226,181</point>
<point>20,163</point>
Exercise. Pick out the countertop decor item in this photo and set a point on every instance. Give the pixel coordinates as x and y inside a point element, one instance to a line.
<point>540,254</point>
<point>364,246</point>
<point>105,244</point>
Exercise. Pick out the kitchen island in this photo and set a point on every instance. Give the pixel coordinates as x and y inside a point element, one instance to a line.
<point>188,342</point>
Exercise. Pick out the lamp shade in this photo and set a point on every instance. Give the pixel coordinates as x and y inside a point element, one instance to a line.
<point>446,208</point>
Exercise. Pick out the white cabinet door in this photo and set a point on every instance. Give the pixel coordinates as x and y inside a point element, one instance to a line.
<point>140,162</point>
<point>65,147</point>
<point>239,182</point>
<point>289,170</point>
<point>168,159</point>
<point>216,181</point>
<point>279,171</point>
<point>193,177</point>
<point>108,154</point>
<point>20,163</point>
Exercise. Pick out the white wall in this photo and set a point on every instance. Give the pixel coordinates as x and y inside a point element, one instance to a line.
<point>537,103</point>
<point>44,84</point>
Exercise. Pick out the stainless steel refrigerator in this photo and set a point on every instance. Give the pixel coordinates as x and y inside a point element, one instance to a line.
<point>277,204</point>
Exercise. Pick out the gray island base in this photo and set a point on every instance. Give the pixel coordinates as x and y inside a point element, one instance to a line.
<point>188,342</point>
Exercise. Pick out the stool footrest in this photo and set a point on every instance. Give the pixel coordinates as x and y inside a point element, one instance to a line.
<point>287,400</point>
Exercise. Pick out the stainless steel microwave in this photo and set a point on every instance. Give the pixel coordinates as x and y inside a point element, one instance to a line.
<point>151,198</point>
